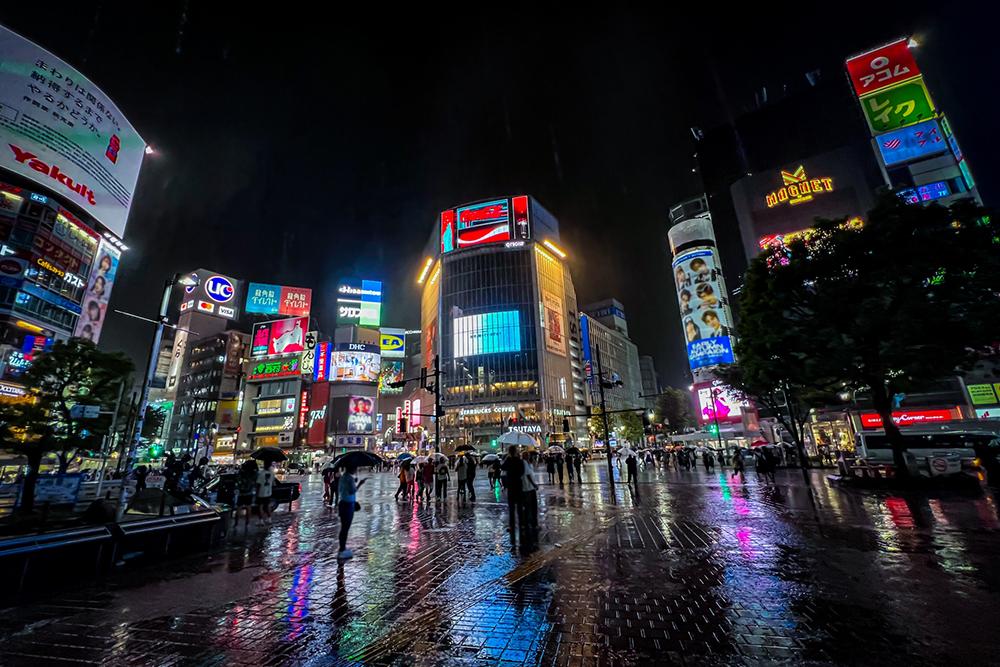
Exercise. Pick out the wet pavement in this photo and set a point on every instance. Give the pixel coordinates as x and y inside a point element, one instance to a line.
<point>695,569</point>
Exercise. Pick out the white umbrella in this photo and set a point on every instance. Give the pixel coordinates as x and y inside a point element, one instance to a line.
<point>516,438</point>
<point>420,459</point>
<point>555,449</point>
<point>626,452</point>
<point>438,456</point>
<point>489,458</point>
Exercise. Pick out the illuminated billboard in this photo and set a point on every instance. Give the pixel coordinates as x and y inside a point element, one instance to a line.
<point>98,292</point>
<point>360,302</point>
<point>892,108</point>
<point>555,326</point>
<point>215,294</point>
<point>911,143</point>
<point>392,342</point>
<point>269,369</point>
<point>704,308</point>
<point>60,130</point>
<point>354,362</point>
<point>715,400</point>
<point>392,371</point>
<point>494,221</point>
<point>487,333</point>
<point>360,414</point>
<point>882,67</point>
<point>319,399</point>
<point>266,299</point>
<point>279,337</point>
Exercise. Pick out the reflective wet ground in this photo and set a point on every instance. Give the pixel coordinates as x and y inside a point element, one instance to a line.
<point>697,568</point>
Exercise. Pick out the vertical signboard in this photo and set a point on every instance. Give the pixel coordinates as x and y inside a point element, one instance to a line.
<point>309,354</point>
<point>704,308</point>
<point>98,292</point>
<point>555,326</point>
<point>316,421</point>
<point>322,362</point>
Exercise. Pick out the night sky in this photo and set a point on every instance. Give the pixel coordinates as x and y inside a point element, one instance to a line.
<point>299,148</point>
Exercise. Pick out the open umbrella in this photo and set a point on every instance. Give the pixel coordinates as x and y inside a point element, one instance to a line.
<point>269,454</point>
<point>418,460</point>
<point>490,458</point>
<point>555,449</point>
<point>626,452</point>
<point>465,448</point>
<point>761,442</point>
<point>573,450</point>
<point>516,438</point>
<point>404,456</point>
<point>438,456</point>
<point>357,459</point>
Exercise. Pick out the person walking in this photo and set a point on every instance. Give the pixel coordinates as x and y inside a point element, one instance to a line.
<point>632,467</point>
<point>421,482</point>
<point>708,459</point>
<point>328,485</point>
<point>265,487</point>
<point>347,506</point>
<point>738,465</point>
<point>569,468</point>
<point>511,478</point>
<point>461,473</point>
<point>529,496</point>
<point>578,463</point>
<point>141,473</point>
<point>441,476</point>
<point>427,475</point>
<point>550,468</point>
<point>403,487</point>
<point>559,468</point>
<point>470,477</point>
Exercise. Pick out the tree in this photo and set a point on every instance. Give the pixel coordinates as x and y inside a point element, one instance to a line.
<point>674,409</point>
<point>595,425</point>
<point>885,306</point>
<point>72,373</point>
<point>630,427</point>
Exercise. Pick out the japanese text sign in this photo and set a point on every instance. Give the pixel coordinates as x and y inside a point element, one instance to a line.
<point>910,143</point>
<point>882,67</point>
<point>891,108</point>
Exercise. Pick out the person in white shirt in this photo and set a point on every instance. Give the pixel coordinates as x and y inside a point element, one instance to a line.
<point>265,487</point>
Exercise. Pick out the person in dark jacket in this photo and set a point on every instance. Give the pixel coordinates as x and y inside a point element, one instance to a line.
<point>512,474</point>
<point>632,466</point>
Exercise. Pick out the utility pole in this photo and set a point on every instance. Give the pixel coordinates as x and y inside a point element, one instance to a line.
<point>715,413</point>
<point>607,428</point>
<point>437,404</point>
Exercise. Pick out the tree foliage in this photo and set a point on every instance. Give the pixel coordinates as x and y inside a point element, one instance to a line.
<point>71,373</point>
<point>630,427</point>
<point>890,305</point>
<point>673,408</point>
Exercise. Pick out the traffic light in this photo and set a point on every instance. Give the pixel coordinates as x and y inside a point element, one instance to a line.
<point>713,429</point>
<point>423,378</point>
<point>646,424</point>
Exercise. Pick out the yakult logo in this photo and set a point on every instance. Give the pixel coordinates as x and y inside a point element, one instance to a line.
<point>29,159</point>
<point>219,289</point>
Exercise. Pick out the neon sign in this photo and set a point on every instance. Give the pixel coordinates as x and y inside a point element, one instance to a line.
<point>798,188</point>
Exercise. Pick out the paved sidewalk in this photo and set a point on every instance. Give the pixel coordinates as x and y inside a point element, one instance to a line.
<point>696,569</point>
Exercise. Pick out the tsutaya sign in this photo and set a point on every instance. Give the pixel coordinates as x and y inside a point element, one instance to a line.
<point>798,188</point>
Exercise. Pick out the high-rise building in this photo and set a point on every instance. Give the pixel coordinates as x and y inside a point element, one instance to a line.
<point>498,308</point>
<point>607,330</point>
<point>650,380</point>
<point>68,169</point>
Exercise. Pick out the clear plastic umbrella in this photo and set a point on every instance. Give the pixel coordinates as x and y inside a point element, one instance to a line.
<point>555,449</point>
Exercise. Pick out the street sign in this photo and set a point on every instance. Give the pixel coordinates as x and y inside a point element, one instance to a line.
<point>882,67</point>
<point>80,411</point>
<point>891,108</point>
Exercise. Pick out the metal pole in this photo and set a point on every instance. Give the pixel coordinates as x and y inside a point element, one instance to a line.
<point>715,413</point>
<point>109,438</point>
<point>607,428</point>
<point>437,404</point>
<point>154,350</point>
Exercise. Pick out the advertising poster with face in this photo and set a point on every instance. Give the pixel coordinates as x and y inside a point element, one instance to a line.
<point>360,414</point>
<point>98,292</point>
<point>704,307</point>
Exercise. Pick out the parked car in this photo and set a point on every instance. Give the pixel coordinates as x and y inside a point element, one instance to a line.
<point>223,489</point>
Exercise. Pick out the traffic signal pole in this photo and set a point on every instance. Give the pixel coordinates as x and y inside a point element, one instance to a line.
<point>607,428</point>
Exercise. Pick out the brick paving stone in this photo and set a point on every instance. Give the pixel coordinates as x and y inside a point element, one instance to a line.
<point>695,570</point>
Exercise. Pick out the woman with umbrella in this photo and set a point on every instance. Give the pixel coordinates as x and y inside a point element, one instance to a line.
<point>441,476</point>
<point>265,481</point>
<point>347,506</point>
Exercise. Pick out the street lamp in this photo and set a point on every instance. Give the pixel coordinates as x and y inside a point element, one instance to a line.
<point>186,280</point>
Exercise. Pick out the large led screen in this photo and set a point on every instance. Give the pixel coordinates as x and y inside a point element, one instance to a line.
<point>477,224</point>
<point>355,362</point>
<point>704,309</point>
<point>360,414</point>
<point>392,371</point>
<point>488,333</point>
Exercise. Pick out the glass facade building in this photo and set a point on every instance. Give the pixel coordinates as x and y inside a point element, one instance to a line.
<point>501,315</point>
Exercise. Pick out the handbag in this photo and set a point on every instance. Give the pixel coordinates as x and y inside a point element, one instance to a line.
<point>357,506</point>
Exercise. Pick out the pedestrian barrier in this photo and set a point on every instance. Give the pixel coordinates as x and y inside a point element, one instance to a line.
<point>74,547</point>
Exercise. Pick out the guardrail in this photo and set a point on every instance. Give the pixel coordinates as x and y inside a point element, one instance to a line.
<point>109,489</point>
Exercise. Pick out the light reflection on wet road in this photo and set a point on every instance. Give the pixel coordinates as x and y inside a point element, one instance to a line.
<point>697,567</point>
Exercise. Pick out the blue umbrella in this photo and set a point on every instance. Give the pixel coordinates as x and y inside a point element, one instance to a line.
<point>404,456</point>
